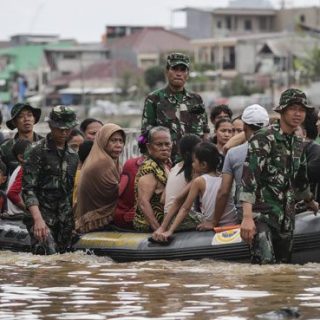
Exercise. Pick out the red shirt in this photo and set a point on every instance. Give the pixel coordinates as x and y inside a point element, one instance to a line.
<point>14,192</point>
<point>125,211</point>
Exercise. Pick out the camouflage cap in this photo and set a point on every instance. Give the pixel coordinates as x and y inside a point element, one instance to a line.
<point>17,108</point>
<point>62,117</point>
<point>175,59</point>
<point>292,96</point>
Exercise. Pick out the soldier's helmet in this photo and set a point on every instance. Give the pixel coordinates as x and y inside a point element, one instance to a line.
<point>62,117</point>
<point>176,58</point>
<point>292,96</point>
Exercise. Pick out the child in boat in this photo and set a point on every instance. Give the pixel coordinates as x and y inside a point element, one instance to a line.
<point>182,173</point>
<point>16,206</point>
<point>205,161</point>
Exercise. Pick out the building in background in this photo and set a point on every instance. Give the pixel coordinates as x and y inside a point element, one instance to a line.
<point>244,17</point>
<point>99,81</point>
<point>144,48</point>
<point>29,39</point>
<point>22,70</point>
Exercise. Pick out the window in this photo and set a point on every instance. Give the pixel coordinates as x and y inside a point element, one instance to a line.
<point>302,18</point>
<point>263,23</point>
<point>212,55</point>
<point>247,25</point>
<point>70,56</point>
<point>229,59</point>
<point>228,23</point>
<point>219,24</point>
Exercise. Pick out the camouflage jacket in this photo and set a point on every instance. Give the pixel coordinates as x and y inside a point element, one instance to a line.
<point>180,112</point>
<point>6,152</point>
<point>275,176</point>
<point>48,178</point>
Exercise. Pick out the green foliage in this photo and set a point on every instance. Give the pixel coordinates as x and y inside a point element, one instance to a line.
<point>154,75</point>
<point>310,65</point>
<point>201,67</point>
<point>125,82</point>
<point>237,87</point>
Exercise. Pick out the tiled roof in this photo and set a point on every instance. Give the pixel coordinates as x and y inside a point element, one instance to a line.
<point>100,70</point>
<point>152,40</point>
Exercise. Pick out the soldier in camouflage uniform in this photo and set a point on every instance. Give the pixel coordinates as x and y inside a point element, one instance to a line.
<point>174,107</point>
<point>274,178</point>
<point>48,184</point>
<point>23,117</point>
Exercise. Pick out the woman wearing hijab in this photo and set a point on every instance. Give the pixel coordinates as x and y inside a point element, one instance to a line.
<point>99,180</point>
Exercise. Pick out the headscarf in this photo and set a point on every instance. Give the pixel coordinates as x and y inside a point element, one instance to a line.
<point>98,184</point>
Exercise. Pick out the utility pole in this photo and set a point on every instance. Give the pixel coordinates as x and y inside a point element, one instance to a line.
<point>83,93</point>
<point>286,3</point>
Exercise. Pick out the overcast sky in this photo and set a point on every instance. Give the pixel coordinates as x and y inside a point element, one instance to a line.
<point>85,20</point>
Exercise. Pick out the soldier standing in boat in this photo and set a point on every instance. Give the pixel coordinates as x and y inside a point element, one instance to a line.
<point>175,107</point>
<point>274,178</point>
<point>48,179</point>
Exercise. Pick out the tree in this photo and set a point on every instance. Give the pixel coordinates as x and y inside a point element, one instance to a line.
<point>310,65</point>
<point>153,76</point>
<point>237,87</point>
<point>125,82</point>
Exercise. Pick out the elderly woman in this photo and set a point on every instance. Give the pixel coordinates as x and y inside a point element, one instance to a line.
<point>99,180</point>
<point>151,180</point>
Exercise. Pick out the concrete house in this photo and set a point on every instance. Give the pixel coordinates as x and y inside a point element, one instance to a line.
<point>65,61</point>
<point>243,17</point>
<point>145,47</point>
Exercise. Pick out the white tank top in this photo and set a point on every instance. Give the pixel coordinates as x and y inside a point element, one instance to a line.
<point>175,184</point>
<point>208,202</point>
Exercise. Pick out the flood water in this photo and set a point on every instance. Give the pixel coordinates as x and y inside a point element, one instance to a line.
<point>77,286</point>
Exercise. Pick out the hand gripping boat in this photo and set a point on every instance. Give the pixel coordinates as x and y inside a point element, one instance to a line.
<point>131,246</point>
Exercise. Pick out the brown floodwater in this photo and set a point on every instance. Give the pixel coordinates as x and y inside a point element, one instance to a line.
<point>77,286</point>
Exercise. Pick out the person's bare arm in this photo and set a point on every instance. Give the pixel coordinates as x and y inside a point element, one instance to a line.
<point>197,186</point>
<point>234,141</point>
<point>146,188</point>
<point>40,228</point>
<point>221,202</point>
<point>248,227</point>
<point>222,197</point>
<point>174,208</point>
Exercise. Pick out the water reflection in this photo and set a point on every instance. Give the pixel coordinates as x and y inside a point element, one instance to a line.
<point>77,286</point>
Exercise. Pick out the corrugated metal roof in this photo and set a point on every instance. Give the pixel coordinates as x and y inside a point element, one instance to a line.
<point>245,11</point>
<point>297,46</point>
<point>250,4</point>
<point>80,48</point>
